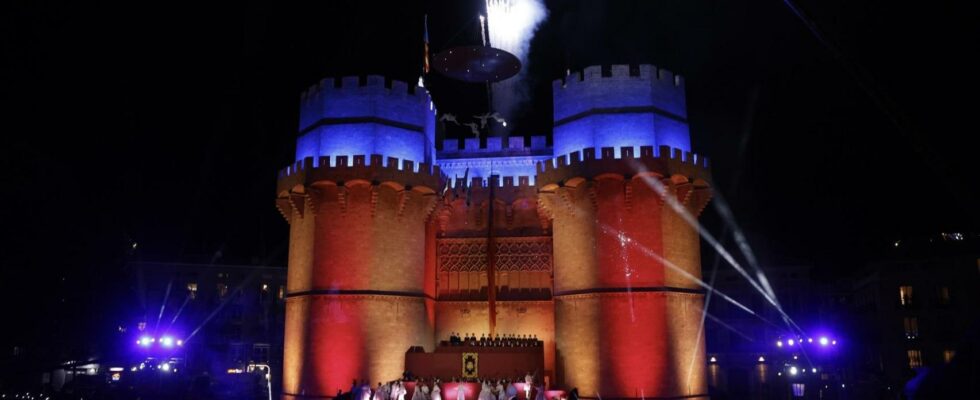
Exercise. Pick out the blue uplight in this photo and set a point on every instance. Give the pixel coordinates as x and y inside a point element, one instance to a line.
<point>648,109</point>
<point>366,119</point>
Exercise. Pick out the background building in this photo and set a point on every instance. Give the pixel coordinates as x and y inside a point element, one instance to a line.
<point>913,310</point>
<point>221,318</point>
<point>750,355</point>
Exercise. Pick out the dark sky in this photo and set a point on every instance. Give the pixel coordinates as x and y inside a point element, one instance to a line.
<point>164,123</point>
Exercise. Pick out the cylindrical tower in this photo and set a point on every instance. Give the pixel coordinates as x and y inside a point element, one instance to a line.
<point>627,312</point>
<point>631,107</point>
<point>356,295</point>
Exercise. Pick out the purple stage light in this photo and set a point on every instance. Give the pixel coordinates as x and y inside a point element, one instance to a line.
<point>791,342</point>
<point>824,341</point>
<point>167,341</point>
<point>145,341</point>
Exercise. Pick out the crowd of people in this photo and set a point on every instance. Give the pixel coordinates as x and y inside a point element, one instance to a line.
<point>431,390</point>
<point>508,340</point>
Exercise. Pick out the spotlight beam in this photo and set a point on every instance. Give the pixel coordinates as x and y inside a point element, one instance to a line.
<point>163,305</point>
<point>278,250</point>
<point>187,299</point>
<point>687,217</point>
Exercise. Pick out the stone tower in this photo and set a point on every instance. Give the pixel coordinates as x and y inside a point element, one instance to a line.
<point>626,309</point>
<point>593,247</point>
<point>358,202</point>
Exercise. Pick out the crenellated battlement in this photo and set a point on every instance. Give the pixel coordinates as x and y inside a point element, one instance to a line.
<point>366,84</point>
<point>375,168</point>
<point>357,96</point>
<point>514,198</point>
<point>507,189</point>
<point>643,72</point>
<point>366,115</point>
<point>587,163</point>
<point>496,145</point>
<point>621,86</point>
<point>620,105</point>
<point>506,182</point>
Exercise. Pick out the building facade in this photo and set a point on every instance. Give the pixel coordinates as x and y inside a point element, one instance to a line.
<point>751,356</point>
<point>914,310</point>
<point>220,318</point>
<point>587,244</point>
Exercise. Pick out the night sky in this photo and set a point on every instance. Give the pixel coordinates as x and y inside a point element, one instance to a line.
<point>164,124</point>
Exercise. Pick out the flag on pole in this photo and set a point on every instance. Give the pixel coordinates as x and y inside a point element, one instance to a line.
<point>425,51</point>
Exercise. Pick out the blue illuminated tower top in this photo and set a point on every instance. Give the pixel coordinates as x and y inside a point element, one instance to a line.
<point>364,116</point>
<point>642,107</point>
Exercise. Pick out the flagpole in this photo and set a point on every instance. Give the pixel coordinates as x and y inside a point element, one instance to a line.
<point>491,259</point>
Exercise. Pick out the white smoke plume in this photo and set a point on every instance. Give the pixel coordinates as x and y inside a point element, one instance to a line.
<point>512,24</point>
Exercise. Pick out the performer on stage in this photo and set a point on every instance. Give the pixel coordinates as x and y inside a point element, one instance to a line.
<point>379,393</point>
<point>425,391</point>
<point>484,391</point>
<point>501,392</point>
<point>540,395</point>
<point>460,391</point>
<point>355,390</point>
<point>436,392</point>
<point>511,390</point>
<point>528,381</point>
<point>365,391</point>
<point>417,393</point>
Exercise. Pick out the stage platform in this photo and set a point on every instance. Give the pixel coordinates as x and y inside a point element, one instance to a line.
<point>447,362</point>
<point>472,390</point>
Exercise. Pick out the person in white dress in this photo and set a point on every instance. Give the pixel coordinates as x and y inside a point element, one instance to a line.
<point>425,391</point>
<point>485,391</point>
<point>436,392</point>
<point>401,390</point>
<point>365,391</point>
<point>461,391</point>
<point>501,394</point>
<point>417,393</point>
<point>528,381</point>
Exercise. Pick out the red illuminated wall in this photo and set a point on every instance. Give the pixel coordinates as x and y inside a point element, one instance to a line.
<point>356,289</point>
<point>626,326</point>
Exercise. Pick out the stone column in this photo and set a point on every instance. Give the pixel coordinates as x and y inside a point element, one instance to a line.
<point>357,298</point>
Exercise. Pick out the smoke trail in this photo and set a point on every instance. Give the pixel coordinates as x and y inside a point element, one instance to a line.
<point>512,24</point>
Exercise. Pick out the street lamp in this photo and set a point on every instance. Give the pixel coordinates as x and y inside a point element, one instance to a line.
<point>268,375</point>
